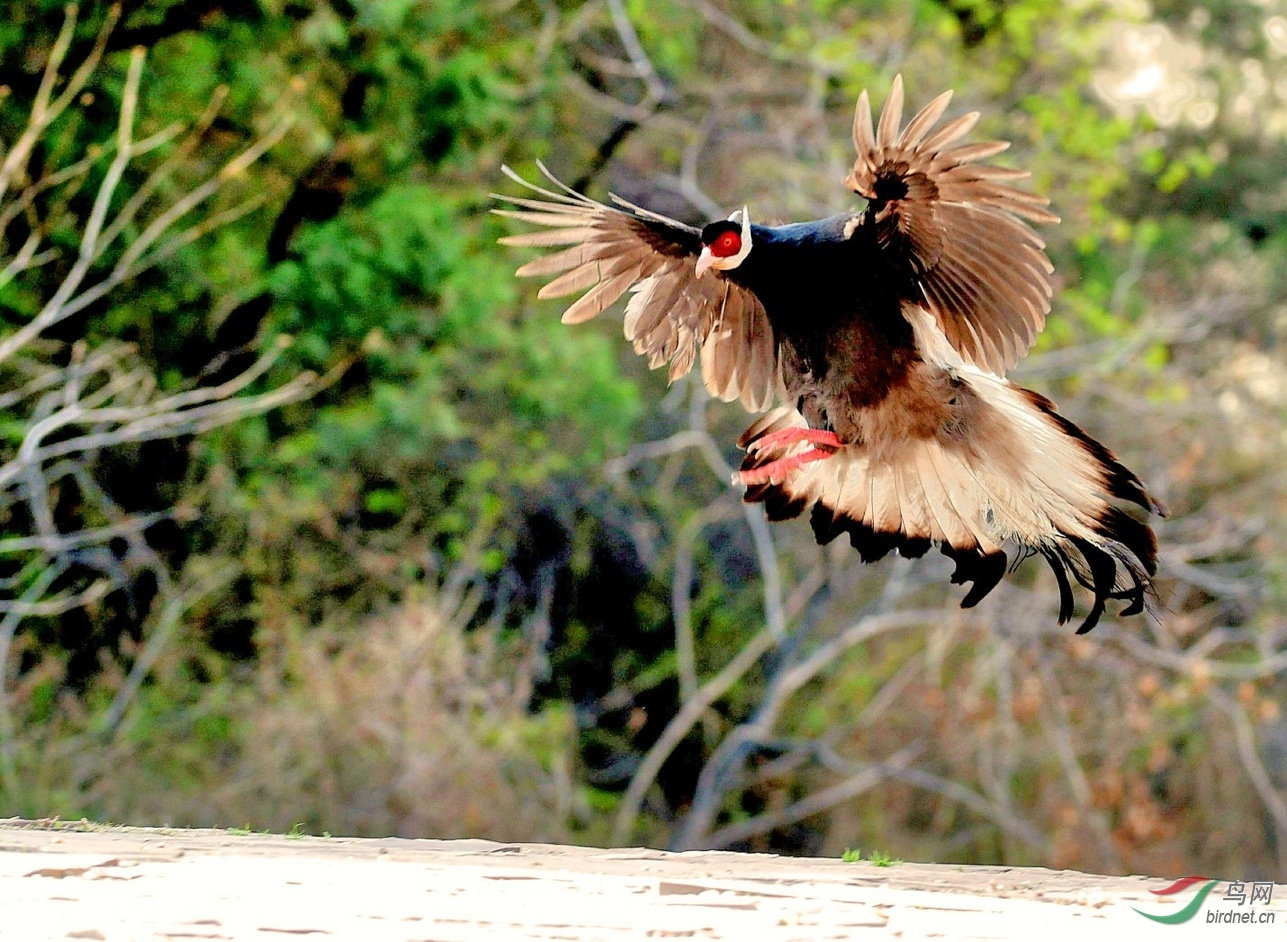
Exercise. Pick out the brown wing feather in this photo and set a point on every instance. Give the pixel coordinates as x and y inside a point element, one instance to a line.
<point>671,316</point>
<point>958,229</point>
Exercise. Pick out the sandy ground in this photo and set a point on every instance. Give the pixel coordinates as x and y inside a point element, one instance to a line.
<point>143,883</point>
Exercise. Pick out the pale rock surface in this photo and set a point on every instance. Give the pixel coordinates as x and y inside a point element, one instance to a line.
<point>144,883</point>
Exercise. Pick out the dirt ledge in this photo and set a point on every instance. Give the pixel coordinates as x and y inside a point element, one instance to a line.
<point>117,883</point>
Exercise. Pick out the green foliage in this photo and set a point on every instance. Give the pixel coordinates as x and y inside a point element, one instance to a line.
<point>877,858</point>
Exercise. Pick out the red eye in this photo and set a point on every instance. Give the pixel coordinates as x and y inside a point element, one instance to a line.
<point>726,244</point>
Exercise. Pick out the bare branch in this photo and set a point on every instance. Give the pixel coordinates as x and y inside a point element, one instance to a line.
<point>105,395</point>
<point>680,595</point>
<point>864,780</point>
<point>52,312</point>
<point>656,88</point>
<point>715,777</point>
<point>58,544</point>
<point>15,162</point>
<point>1265,666</point>
<point>144,252</point>
<point>8,625</point>
<point>1058,727</point>
<point>677,729</point>
<point>158,638</point>
<point>1004,818</point>
<point>1245,737</point>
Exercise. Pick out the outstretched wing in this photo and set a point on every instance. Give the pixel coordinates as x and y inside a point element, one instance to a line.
<point>671,316</point>
<point>956,228</point>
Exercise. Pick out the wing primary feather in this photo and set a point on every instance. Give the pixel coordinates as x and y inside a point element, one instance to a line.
<point>578,197</point>
<point>570,282</point>
<point>950,132</point>
<point>597,299</point>
<point>925,119</point>
<point>659,307</point>
<point>547,238</point>
<point>554,204</point>
<point>967,153</point>
<point>891,116</point>
<point>650,215</point>
<point>563,260</point>
<point>864,139</point>
<point>549,218</point>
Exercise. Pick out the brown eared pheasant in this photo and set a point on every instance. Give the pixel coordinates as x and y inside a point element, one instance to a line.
<point>886,333</point>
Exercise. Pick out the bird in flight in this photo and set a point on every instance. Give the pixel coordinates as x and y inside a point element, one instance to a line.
<point>885,334</point>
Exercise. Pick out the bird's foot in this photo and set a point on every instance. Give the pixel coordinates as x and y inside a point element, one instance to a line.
<point>796,433</point>
<point>776,471</point>
<point>825,444</point>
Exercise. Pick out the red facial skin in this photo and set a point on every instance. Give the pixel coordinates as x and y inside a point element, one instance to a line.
<point>726,245</point>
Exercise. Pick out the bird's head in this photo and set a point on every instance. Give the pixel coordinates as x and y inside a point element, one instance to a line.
<point>726,243</point>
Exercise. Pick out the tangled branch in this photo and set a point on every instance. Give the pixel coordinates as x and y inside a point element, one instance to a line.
<point>69,402</point>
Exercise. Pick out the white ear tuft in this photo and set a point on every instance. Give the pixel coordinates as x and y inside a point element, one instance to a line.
<point>743,217</point>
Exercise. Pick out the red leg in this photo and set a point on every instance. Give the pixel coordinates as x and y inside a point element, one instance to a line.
<point>795,433</point>
<point>776,469</point>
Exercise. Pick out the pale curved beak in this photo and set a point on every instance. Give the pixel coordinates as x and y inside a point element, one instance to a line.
<point>704,261</point>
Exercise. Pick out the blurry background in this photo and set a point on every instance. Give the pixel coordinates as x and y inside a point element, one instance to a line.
<point>314,518</point>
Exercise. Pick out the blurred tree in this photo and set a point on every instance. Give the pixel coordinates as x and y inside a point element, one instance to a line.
<point>70,235</point>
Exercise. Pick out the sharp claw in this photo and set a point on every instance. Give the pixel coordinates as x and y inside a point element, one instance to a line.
<point>776,471</point>
<point>789,436</point>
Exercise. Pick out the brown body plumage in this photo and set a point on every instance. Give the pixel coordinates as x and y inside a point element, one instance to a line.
<point>886,333</point>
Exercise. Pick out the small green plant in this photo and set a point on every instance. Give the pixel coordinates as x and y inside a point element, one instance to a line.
<point>881,858</point>
<point>241,832</point>
<point>851,855</point>
<point>297,831</point>
<point>84,824</point>
<point>56,823</point>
